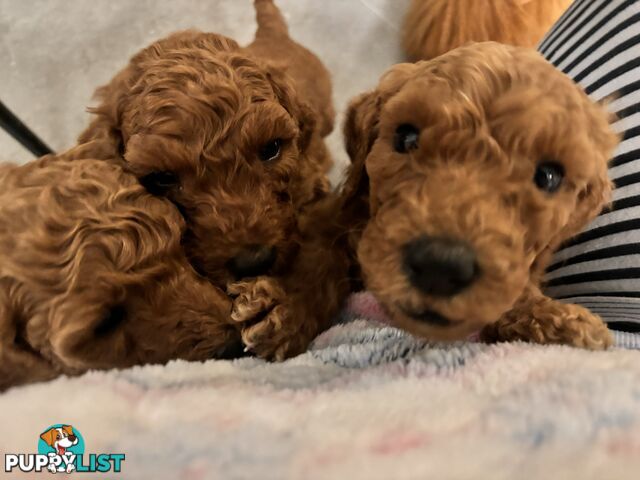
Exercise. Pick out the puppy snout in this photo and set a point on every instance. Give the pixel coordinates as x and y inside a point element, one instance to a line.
<point>253,261</point>
<point>72,438</point>
<point>440,266</point>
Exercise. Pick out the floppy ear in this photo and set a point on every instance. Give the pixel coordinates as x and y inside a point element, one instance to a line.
<point>361,126</point>
<point>49,436</point>
<point>360,133</point>
<point>68,429</point>
<point>591,200</point>
<point>107,123</point>
<point>307,123</point>
<point>306,116</point>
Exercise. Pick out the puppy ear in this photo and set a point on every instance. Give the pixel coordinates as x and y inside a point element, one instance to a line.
<point>361,126</point>
<point>105,127</point>
<point>593,198</point>
<point>49,436</point>
<point>305,115</point>
<point>307,123</point>
<point>360,133</point>
<point>68,429</point>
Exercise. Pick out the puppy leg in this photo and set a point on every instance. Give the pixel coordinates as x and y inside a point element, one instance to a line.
<point>268,323</point>
<point>195,317</point>
<point>540,319</point>
<point>280,317</point>
<point>121,320</point>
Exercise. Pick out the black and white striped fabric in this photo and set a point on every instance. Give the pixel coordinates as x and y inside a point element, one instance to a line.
<point>597,43</point>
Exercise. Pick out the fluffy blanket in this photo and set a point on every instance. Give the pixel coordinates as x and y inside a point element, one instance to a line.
<point>366,402</point>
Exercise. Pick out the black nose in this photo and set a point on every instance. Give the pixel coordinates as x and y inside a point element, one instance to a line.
<point>253,261</point>
<point>439,266</point>
<point>72,438</point>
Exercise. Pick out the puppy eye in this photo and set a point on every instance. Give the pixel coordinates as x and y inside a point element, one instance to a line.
<point>159,183</point>
<point>270,151</point>
<point>549,176</point>
<point>406,138</point>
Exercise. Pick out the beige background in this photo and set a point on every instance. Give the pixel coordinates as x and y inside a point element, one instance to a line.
<point>54,53</point>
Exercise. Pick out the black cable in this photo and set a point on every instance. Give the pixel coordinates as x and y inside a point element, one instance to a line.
<point>18,130</point>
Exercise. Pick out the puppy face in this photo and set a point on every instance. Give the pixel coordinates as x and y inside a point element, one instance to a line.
<point>222,137</point>
<point>480,163</point>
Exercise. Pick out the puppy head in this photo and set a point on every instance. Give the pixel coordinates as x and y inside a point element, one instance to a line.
<point>477,165</point>
<point>224,138</point>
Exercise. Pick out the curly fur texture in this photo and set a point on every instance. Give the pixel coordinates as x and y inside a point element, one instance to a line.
<point>296,307</point>
<point>200,108</point>
<point>487,116</point>
<point>92,274</point>
<point>434,27</point>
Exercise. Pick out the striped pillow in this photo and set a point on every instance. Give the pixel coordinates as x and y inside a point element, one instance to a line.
<point>597,43</point>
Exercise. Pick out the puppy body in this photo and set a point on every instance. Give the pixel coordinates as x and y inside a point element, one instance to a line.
<point>434,27</point>
<point>234,138</point>
<point>468,172</point>
<point>92,275</point>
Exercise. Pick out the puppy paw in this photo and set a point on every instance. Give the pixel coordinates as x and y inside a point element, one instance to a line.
<point>547,321</point>
<point>275,337</point>
<point>254,298</point>
<point>268,327</point>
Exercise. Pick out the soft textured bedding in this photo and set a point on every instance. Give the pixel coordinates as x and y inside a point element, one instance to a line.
<point>367,402</point>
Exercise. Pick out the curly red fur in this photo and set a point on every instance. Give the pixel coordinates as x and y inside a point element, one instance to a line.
<point>98,272</point>
<point>94,276</point>
<point>434,27</point>
<point>199,106</point>
<point>487,116</point>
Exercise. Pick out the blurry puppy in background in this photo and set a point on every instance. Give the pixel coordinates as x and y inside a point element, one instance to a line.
<point>433,27</point>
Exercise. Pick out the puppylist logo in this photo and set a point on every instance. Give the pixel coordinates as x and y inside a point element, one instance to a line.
<point>61,449</point>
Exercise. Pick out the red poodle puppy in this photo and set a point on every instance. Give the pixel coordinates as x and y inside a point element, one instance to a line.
<point>469,171</point>
<point>434,27</point>
<point>93,275</point>
<point>233,137</point>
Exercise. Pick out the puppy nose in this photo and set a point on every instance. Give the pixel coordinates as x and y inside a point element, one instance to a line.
<point>72,438</point>
<point>439,266</point>
<point>253,261</point>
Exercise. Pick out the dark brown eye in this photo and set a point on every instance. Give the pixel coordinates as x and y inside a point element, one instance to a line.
<point>270,151</point>
<point>159,183</point>
<point>549,176</point>
<point>407,138</point>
